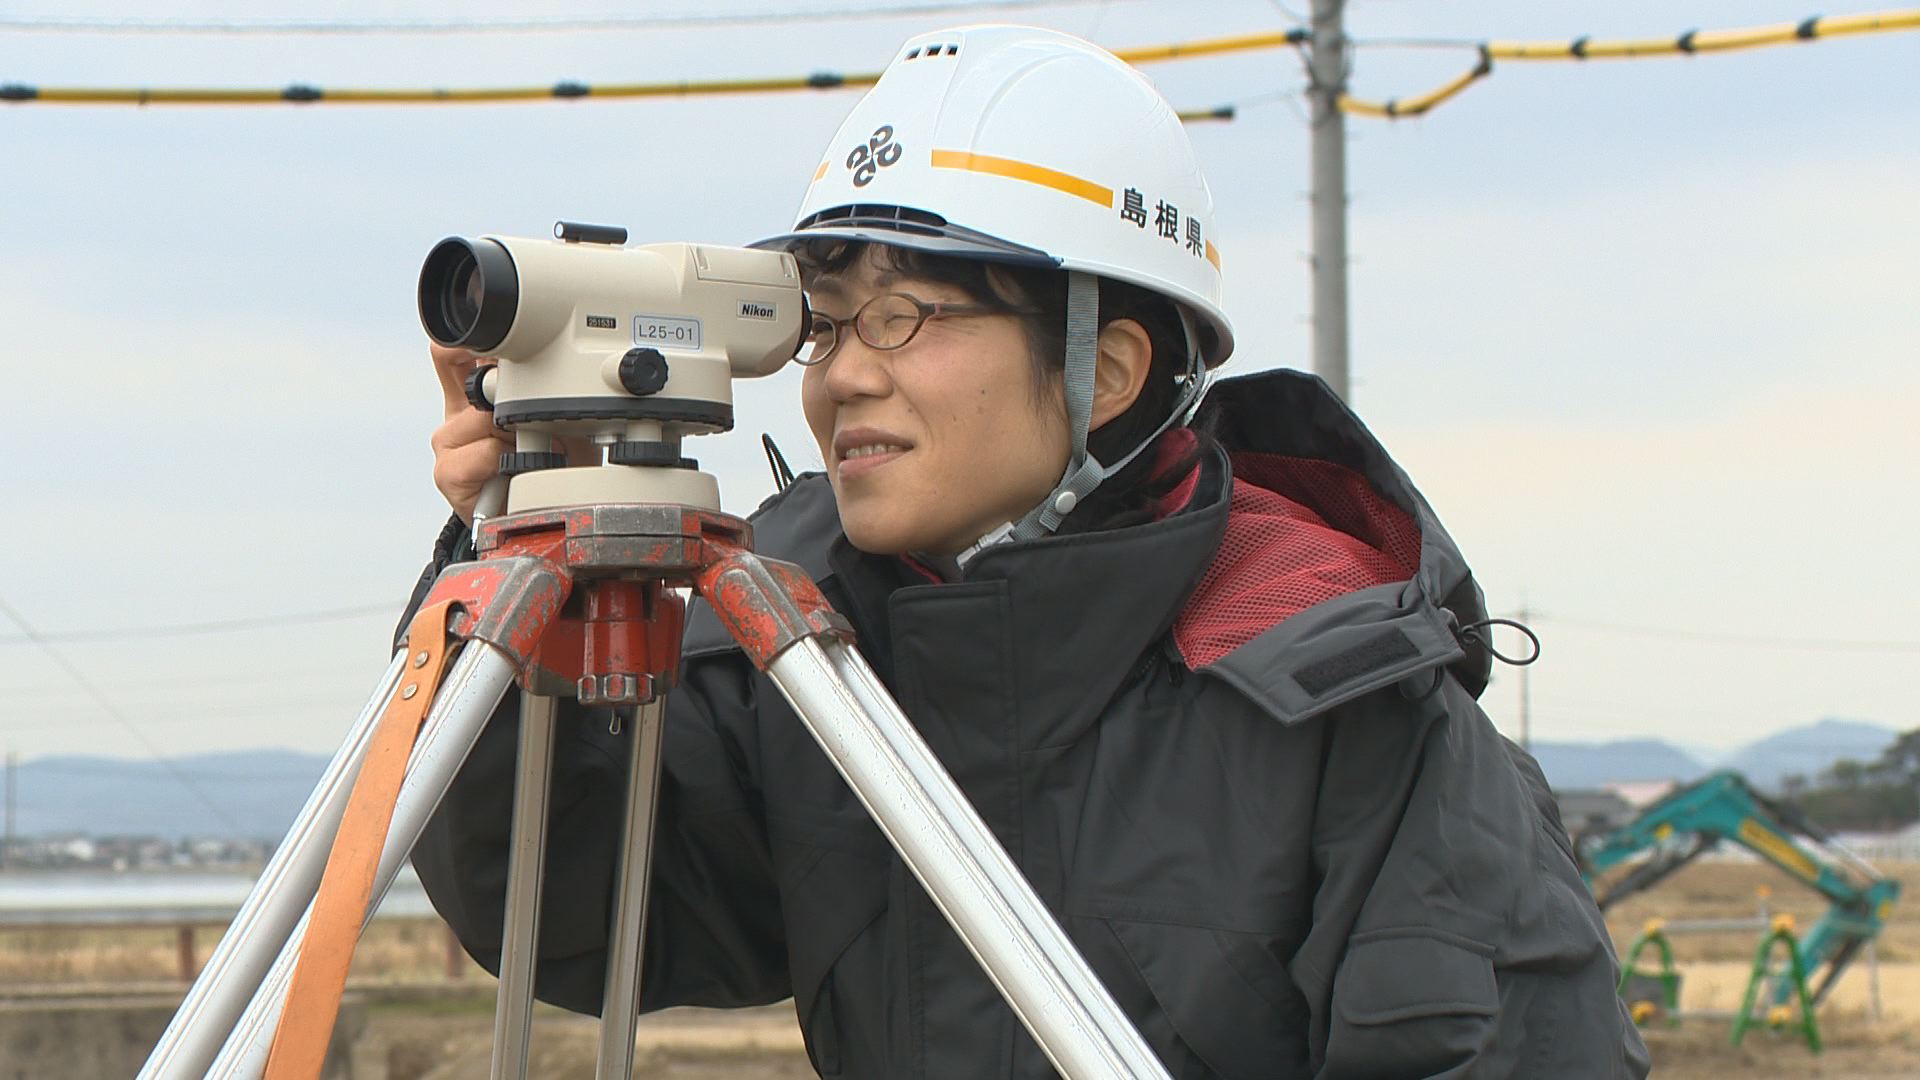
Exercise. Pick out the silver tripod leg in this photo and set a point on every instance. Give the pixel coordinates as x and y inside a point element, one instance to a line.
<point>467,698</point>
<point>955,856</point>
<point>526,865</point>
<point>270,912</point>
<point>620,1003</point>
<point>620,1006</point>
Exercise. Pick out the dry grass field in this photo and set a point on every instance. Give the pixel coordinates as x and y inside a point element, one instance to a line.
<point>59,959</point>
<point>409,1037</point>
<point>1714,968</point>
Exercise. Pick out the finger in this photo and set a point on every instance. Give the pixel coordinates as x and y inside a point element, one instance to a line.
<point>462,471</point>
<point>452,366</point>
<point>469,425</point>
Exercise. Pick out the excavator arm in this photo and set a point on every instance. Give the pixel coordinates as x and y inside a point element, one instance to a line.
<point>1694,819</point>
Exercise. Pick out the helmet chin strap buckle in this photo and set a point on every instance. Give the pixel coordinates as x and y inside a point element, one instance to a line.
<point>997,536</point>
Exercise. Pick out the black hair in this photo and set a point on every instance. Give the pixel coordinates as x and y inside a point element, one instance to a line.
<point>1038,295</point>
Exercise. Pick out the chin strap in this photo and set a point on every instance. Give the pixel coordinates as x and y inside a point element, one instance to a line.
<point>1084,474</point>
<point>1083,360</point>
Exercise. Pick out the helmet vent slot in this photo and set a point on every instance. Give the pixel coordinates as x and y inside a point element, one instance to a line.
<point>877,216</point>
<point>928,52</point>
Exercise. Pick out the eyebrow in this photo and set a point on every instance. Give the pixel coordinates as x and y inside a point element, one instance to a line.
<point>835,285</point>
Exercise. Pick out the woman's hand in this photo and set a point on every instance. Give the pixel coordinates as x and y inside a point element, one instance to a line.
<point>466,445</point>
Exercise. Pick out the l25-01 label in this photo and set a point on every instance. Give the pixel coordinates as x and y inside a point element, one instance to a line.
<point>667,332</point>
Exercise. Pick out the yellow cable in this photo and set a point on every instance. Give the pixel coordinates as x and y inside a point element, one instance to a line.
<point>473,95</point>
<point>1707,40</point>
<point>1210,46</point>
<point>1835,25</point>
<point>1694,41</point>
<point>1576,49</point>
<point>823,81</point>
<point>1393,110</point>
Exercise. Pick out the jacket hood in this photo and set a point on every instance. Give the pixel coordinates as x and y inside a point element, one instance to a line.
<point>1334,574</point>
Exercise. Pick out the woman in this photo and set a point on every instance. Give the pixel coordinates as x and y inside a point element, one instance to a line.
<point>1211,685</point>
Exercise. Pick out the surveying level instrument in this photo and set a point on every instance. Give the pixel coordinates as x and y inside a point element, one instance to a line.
<point>577,591</point>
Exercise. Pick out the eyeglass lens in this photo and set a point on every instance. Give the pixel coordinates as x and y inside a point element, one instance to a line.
<point>887,321</point>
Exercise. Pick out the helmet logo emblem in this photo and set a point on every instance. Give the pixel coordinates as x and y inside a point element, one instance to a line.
<point>877,153</point>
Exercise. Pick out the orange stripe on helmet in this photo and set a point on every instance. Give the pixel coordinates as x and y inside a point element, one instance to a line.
<point>1021,170</point>
<point>819,172</point>
<point>1213,255</point>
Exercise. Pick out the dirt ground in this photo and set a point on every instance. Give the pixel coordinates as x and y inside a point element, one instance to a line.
<point>402,1043</point>
<point>1699,1051</point>
<point>448,1041</point>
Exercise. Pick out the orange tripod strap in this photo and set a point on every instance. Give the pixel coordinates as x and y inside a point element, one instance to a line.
<point>340,907</point>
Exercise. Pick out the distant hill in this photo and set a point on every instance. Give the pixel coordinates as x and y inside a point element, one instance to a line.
<point>258,793</point>
<point>1590,765</point>
<point>1809,750</point>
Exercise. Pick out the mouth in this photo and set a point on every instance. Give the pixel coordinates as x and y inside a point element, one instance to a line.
<point>861,450</point>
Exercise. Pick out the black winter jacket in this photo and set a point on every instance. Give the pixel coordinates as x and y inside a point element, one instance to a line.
<point>1236,751</point>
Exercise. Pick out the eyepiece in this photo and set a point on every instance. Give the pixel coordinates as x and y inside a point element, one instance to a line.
<point>469,291</point>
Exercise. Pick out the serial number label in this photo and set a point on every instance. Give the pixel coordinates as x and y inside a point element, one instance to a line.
<point>667,332</point>
<point>602,322</point>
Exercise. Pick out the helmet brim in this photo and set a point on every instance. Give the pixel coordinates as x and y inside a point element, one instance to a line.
<point>921,230</point>
<point>909,228</point>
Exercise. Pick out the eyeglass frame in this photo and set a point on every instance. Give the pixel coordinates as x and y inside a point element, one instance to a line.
<point>928,310</point>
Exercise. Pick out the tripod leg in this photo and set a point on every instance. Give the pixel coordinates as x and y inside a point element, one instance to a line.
<point>271,911</point>
<point>621,1002</point>
<point>466,700</point>
<point>953,853</point>
<point>526,863</point>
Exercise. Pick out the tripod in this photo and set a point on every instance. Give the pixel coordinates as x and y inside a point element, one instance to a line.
<point>582,599</point>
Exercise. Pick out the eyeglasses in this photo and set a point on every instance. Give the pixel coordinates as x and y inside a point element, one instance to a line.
<point>887,322</point>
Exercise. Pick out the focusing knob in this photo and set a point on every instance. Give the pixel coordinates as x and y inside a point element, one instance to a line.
<point>477,388</point>
<point>649,453</point>
<point>515,462</point>
<point>643,371</point>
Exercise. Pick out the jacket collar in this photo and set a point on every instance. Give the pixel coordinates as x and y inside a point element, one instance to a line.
<point>1081,609</point>
<point>1069,615</point>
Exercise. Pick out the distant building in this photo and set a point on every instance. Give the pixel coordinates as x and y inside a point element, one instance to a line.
<point>1587,811</point>
<point>1641,794</point>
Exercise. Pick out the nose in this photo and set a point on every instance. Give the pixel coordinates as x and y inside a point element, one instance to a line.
<point>855,370</point>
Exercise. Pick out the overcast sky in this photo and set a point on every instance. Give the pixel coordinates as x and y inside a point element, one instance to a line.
<point>1644,331</point>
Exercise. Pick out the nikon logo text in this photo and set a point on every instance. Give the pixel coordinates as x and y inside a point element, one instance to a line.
<point>751,310</point>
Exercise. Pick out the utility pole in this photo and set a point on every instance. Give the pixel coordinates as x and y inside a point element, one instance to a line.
<point>1326,83</point>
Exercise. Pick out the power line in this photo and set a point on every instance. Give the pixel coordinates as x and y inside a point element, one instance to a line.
<point>84,24</point>
<point>219,626</point>
<point>302,94</point>
<point>80,678</point>
<point>108,767</point>
<point>1817,644</point>
<point>279,678</point>
<point>330,707</point>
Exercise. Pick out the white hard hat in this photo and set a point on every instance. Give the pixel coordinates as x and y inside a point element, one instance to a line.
<point>1024,145</point>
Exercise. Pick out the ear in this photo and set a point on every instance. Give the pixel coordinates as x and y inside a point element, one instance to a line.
<point>1126,354</point>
